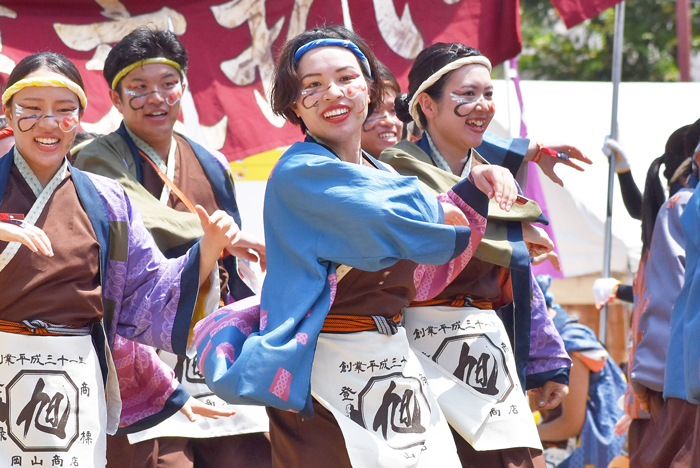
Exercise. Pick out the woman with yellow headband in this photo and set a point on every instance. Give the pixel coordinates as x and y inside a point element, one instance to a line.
<point>477,372</point>
<point>78,274</point>
<point>165,174</point>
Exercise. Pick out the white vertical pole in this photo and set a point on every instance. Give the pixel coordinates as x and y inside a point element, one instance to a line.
<point>616,77</point>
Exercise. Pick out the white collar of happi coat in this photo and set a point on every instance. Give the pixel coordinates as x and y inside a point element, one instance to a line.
<point>42,195</point>
<point>167,169</point>
<point>441,162</point>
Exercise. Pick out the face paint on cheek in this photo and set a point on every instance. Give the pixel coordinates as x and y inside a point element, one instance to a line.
<point>174,96</point>
<point>68,124</point>
<point>358,93</point>
<point>311,98</point>
<point>492,107</point>
<point>26,118</point>
<point>461,102</point>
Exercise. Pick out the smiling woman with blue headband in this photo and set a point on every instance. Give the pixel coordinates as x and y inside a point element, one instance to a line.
<point>77,269</point>
<point>346,237</point>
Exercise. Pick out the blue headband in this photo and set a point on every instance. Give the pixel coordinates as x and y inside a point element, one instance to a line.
<point>334,42</point>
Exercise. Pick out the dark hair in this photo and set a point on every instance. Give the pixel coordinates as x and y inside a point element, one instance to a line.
<point>388,78</point>
<point>140,44</point>
<point>430,60</point>
<point>654,196</point>
<point>286,86</point>
<point>51,60</point>
<point>692,138</point>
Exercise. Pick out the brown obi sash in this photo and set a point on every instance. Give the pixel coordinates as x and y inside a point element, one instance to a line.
<point>358,323</point>
<point>458,301</point>
<point>39,327</point>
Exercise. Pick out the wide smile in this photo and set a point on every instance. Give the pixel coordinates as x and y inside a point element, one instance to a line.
<point>477,125</point>
<point>336,114</point>
<point>157,114</point>
<point>387,136</point>
<point>47,143</point>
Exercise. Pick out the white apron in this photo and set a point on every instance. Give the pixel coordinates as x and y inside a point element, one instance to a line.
<point>52,410</point>
<point>375,388</point>
<point>247,420</point>
<point>468,361</point>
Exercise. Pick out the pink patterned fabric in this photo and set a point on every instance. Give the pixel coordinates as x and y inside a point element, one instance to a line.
<point>145,382</point>
<point>242,314</point>
<point>302,338</point>
<point>281,384</point>
<point>226,351</point>
<point>430,280</point>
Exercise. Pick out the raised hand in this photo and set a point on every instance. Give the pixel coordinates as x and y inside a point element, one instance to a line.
<point>220,231</point>
<point>547,163</point>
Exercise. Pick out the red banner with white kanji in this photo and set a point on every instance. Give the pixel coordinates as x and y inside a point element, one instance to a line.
<point>232,47</point>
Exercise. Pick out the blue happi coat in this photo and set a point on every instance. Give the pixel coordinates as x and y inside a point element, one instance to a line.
<point>320,212</point>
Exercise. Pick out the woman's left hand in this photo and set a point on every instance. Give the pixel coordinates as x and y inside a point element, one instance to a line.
<point>497,183</point>
<point>547,163</point>
<point>193,407</point>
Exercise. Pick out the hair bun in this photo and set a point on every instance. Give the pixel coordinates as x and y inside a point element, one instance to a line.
<point>401,108</point>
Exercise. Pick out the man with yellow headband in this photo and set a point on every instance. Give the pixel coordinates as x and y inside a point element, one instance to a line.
<point>165,174</point>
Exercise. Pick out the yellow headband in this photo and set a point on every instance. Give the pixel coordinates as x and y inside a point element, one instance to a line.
<point>39,81</point>
<point>141,63</point>
<point>459,63</point>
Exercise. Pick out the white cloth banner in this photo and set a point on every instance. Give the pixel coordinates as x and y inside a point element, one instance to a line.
<point>53,394</point>
<point>471,369</point>
<point>375,387</point>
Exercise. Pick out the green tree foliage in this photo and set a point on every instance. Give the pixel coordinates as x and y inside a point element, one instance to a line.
<point>584,52</point>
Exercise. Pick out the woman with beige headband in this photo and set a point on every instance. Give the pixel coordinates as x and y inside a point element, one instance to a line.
<point>458,334</point>
<point>78,274</point>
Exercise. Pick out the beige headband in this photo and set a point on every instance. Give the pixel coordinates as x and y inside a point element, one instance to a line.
<point>459,63</point>
<point>40,81</point>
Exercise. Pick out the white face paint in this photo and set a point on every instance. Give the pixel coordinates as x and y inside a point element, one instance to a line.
<point>171,92</point>
<point>27,116</point>
<point>465,103</point>
<point>353,87</point>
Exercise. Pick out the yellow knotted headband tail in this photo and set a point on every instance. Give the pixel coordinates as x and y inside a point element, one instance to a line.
<point>39,81</point>
<point>141,63</point>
